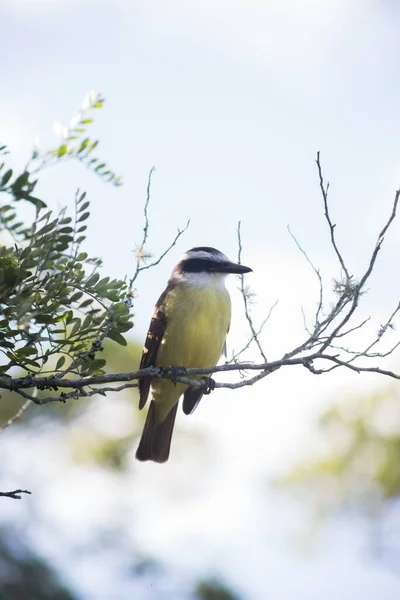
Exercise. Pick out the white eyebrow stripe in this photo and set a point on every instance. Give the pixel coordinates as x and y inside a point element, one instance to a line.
<point>201,254</point>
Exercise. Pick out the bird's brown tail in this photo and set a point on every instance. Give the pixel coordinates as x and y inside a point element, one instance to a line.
<point>156,438</point>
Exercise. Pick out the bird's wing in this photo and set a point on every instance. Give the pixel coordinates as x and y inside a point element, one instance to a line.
<point>154,336</point>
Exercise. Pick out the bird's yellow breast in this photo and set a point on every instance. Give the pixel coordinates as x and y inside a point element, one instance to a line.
<point>198,320</point>
<point>197,323</point>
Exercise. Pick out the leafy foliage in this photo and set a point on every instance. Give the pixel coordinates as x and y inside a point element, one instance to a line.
<point>360,465</point>
<point>76,144</point>
<point>20,187</point>
<point>53,302</point>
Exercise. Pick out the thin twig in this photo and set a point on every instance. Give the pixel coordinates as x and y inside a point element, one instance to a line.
<point>324,192</point>
<point>363,354</point>
<point>140,248</point>
<point>318,274</point>
<point>360,286</point>
<point>17,415</point>
<point>236,356</point>
<point>352,329</point>
<point>245,295</point>
<point>164,254</point>
<point>359,369</point>
<point>146,206</point>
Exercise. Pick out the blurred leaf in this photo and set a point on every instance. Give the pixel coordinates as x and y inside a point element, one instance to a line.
<point>117,337</point>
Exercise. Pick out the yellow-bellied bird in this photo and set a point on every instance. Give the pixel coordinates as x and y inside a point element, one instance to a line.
<point>190,322</point>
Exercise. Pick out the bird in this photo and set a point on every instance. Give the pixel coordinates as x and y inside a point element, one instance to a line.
<point>189,326</point>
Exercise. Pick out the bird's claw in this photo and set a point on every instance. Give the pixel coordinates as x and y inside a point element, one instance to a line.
<point>175,373</point>
<point>210,385</point>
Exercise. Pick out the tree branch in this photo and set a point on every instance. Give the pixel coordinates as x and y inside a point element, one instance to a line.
<point>15,495</point>
<point>318,346</point>
<point>84,386</point>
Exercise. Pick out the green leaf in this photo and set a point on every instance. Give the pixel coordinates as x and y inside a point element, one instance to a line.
<point>65,221</point>
<point>84,206</point>
<point>86,303</point>
<point>117,337</point>
<point>103,283</point>
<point>6,177</point>
<point>87,322</point>
<point>62,150</point>
<point>96,365</point>
<point>123,327</point>
<point>75,297</point>
<point>120,309</point>
<point>84,145</point>
<point>5,344</point>
<point>93,146</point>
<point>26,351</point>
<point>93,279</point>
<point>60,363</point>
<point>76,326</point>
<point>113,296</point>
<point>45,319</point>
<point>83,217</point>
<point>35,201</point>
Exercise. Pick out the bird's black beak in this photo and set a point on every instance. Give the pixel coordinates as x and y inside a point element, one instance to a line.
<point>230,267</point>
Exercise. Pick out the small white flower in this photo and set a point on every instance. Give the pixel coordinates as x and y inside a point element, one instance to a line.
<point>75,120</point>
<point>60,130</point>
<point>57,128</point>
<point>90,98</point>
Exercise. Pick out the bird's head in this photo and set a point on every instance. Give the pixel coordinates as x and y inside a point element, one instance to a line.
<point>204,264</point>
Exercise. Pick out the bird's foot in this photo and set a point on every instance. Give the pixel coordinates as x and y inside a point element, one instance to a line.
<point>176,372</point>
<point>210,385</point>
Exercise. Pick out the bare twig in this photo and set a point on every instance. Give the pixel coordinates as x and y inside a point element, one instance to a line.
<point>164,254</point>
<point>245,295</point>
<point>141,254</point>
<point>366,352</point>
<point>325,191</point>
<point>359,369</point>
<point>318,274</point>
<point>17,415</point>
<point>236,355</point>
<point>15,495</point>
<point>359,288</point>
<point>359,326</point>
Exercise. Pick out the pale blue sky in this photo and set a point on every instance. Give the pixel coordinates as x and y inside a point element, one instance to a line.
<point>230,101</point>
